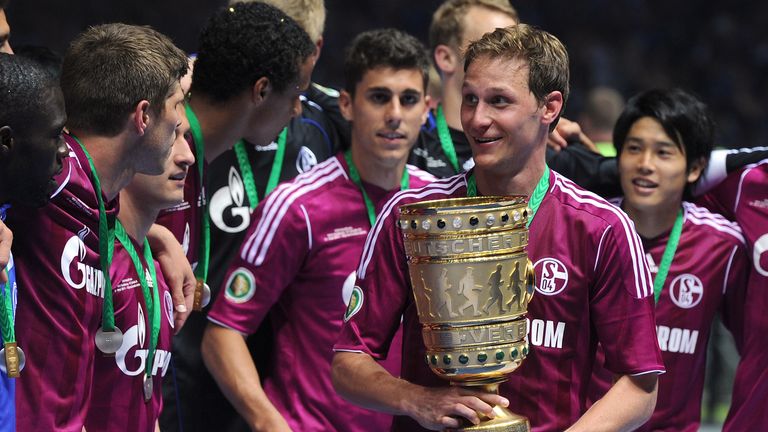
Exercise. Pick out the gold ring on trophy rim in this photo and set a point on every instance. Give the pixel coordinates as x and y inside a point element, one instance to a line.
<point>463,205</point>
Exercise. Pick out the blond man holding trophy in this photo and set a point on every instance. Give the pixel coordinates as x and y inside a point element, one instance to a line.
<point>591,281</point>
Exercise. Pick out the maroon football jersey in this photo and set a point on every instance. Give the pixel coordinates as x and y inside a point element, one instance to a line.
<point>298,261</point>
<point>742,197</point>
<point>117,398</point>
<point>592,285</point>
<point>59,308</point>
<point>708,274</point>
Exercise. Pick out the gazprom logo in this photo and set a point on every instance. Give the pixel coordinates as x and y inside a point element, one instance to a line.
<point>226,209</point>
<point>76,273</point>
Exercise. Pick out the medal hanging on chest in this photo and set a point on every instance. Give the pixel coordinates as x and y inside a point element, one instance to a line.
<point>108,337</point>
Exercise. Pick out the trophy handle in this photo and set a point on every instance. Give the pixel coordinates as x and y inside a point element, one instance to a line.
<point>530,282</point>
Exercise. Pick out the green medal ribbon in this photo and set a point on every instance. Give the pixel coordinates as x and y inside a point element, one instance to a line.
<point>274,173</point>
<point>6,314</point>
<point>151,300</point>
<point>445,139</point>
<point>204,248</point>
<point>669,254</point>
<point>106,245</point>
<point>6,303</point>
<point>536,197</point>
<point>355,177</point>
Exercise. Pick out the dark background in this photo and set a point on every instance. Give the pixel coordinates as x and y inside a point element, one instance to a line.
<point>716,49</point>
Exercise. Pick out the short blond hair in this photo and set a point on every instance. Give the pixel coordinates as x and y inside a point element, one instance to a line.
<point>545,55</point>
<point>310,14</point>
<point>447,27</point>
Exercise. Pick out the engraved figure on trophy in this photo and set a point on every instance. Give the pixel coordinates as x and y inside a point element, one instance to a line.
<point>515,288</point>
<point>495,282</point>
<point>428,296</point>
<point>445,287</point>
<point>471,292</point>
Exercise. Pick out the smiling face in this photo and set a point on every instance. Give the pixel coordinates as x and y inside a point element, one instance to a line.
<point>652,168</point>
<point>502,119</point>
<point>387,111</point>
<point>158,192</point>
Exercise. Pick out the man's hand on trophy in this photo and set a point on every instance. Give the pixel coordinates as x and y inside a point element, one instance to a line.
<point>437,408</point>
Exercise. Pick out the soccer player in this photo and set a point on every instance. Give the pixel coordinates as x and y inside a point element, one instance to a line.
<point>122,398</point>
<point>253,62</point>
<point>663,140</point>
<point>741,197</point>
<point>298,260</point>
<point>584,250</point>
<point>121,89</point>
<point>238,179</point>
<point>31,150</point>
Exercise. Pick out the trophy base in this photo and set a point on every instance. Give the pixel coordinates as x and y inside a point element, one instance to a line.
<point>505,421</point>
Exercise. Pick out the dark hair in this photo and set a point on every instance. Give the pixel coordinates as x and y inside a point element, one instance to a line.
<point>24,86</point>
<point>383,48</point>
<point>44,56</point>
<point>110,68</point>
<point>244,42</point>
<point>684,118</point>
<point>4,3</point>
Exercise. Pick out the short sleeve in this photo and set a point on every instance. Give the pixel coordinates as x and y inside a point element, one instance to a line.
<point>271,255</point>
<point>622,306</point>
<point>381,294</point>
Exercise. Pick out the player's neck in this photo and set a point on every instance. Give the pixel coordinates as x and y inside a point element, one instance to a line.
<point>384,174</point>
<point>220,124</point>
<point>652,222</point>
<point>519,178</point>
<point>136,216</point>
<point>113,164</point>
<point>451,102</point>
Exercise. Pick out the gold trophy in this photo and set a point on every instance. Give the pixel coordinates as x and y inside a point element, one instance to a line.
<point>472,281</point>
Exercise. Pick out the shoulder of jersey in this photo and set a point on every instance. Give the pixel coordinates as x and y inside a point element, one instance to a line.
<point>321,98</point>
<point>424,178</point>
<point>713,222</point>
<point>322,175</point>
<point>588,204</point>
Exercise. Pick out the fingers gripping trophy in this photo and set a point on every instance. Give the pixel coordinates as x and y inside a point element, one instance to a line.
<point>472,282</point>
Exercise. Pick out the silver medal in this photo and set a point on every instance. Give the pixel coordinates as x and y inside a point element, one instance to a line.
<point>147,388</point>
<point>206,295</point>
<point>22,360</point>
<point>109,342</point>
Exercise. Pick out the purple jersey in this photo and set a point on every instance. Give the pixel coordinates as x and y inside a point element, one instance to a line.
<point>59,308</point>
<point>742,197</point>
<point>593,287</point>
<point>117,397</point>
<point>298,261</point>
<point>708,273</point>
<point>184,220</point>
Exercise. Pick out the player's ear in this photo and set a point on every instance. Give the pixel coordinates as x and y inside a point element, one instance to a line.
<point>6,141</point>
<point>345,105</point>
<point>446,59</point>
<point>552,105</point>
<point>140,117</point>
<point>261,90</point>
<point>695,170</point>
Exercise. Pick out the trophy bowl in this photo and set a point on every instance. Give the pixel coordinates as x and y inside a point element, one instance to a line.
<point>472,282</point>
